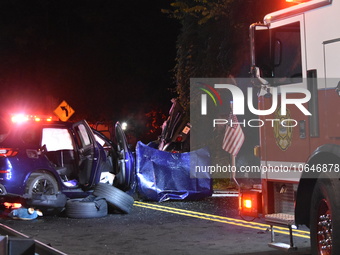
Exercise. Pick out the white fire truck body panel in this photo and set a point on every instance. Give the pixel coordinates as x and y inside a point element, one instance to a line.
<point>332,65</point>
<point>320,48</point>
<point>299,47</point>
<point>280,170</point>
<point>320,51</point>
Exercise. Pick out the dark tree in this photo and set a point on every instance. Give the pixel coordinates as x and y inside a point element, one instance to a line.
<point>213,41</point>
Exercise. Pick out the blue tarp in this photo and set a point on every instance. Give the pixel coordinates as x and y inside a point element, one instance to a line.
<point>164,175</point>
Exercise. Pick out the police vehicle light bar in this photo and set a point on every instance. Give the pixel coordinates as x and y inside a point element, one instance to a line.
<point>20,118</point>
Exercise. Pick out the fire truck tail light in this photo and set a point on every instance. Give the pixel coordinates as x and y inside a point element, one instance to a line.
<point>250,203</point>
<point>247,203</point>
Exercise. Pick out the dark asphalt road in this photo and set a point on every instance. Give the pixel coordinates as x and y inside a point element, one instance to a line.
<point>155,228</point>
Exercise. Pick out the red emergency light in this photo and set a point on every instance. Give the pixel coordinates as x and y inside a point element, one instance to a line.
<point>297,1</point>
<point>250,203</point>
<point>21,118</point>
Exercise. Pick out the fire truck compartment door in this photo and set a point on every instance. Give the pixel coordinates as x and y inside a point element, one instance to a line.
<point>285,142</point>
<point>332,98</point>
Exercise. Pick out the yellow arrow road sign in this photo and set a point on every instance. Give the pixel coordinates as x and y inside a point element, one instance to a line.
<point>64,111</point>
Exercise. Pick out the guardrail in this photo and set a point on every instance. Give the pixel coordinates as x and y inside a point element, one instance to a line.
<point>11,241</point>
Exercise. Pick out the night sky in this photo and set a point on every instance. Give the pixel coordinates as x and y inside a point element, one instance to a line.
<point>107,59</point>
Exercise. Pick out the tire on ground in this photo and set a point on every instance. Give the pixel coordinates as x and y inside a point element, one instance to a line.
<point>48,204</point>
<point>324,223</point>
<point>89,207</point>
<point>115,197</point>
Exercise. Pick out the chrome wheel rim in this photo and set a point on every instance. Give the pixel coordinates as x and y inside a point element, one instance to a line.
<point>43,186</point>
<point>324,233</point>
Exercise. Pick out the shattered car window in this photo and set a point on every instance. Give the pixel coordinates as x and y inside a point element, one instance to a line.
<point>100,140</point>
<point>84,135</point>
<point>56,139</point>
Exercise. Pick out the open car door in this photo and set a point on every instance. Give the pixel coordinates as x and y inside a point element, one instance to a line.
<point>124,177</point>
<point>175,130</point>
<point>87,153</point>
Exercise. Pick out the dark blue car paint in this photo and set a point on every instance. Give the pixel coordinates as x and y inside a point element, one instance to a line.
<point>31,158</point>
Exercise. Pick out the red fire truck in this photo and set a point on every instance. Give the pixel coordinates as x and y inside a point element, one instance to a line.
<point>299,47</point>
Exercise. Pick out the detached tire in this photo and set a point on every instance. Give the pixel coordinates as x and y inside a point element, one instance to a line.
<point>48,204</point>
<point>89,207</point>
<point>115,197</point>
<point>324,220</point>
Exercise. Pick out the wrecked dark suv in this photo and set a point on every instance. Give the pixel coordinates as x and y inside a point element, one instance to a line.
<point>60,157</point>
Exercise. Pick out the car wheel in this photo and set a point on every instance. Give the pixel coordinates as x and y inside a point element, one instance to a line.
<point>89,207</point>
<point>42,183</point>
<point>116,198</point>
<point>324,223</point>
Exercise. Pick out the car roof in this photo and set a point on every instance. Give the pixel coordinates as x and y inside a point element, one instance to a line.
<point>15,131</point>
<point>43,124</point>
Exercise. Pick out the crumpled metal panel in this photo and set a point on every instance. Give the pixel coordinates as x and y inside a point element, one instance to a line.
<point>164,175</point>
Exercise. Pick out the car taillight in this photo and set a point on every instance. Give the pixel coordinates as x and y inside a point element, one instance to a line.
<point>8,152</point>
<point>179,139</point>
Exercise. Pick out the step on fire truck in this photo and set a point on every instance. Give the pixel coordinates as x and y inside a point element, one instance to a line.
<point>299,47</point>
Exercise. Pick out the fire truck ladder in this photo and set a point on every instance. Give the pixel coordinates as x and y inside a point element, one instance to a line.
<point>285,220</point>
